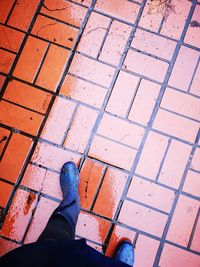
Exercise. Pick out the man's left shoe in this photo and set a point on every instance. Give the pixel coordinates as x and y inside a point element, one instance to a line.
<point>69,207</point>
<point>125,253</point>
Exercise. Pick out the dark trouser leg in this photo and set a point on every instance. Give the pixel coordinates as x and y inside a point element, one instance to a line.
<point>57,228</point>
<point>62,223</point>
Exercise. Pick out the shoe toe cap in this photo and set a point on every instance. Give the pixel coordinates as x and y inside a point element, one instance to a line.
<point>125,253</point>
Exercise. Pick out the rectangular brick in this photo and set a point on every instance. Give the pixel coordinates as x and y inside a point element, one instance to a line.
<point>33,177</point>
<point>20,118</point>
<point>151,194</point>
<point>115,43</point>
<point>44,210</point>
<point>19,215</point>
<point>93,35</point>
<point>54,31</point>
<point>183,220</point>
<point>30,59</point>
<point>152,155</point>
<point>52,68</point>
<point>6,6</point>
<point>184,68</point>
<point>145,65</point>
<point>18,148</point>
<point>27,96</point>
<point>90,176</point>
<point>122,94</point>
<point>83,91</point>
<point>81,128</point>
<point>58,120</point>
<point>53,157</point>
<point>153,44</point>
<point>176,125</point>
<point>195,164</point>
<point>110,192</point>
<point>178,11</point>
<point>28,9</point>
<point>195,83</point>
<point>177,155</point>
<point>10,39</point>
<point>42,180</point>
<point>196,239</point>
<point>147,103</point>
<point>193,32</point>
<point>118,233</point>
<point>181,103</point>
<point>192,183</point>
<point>51,185</point>
<point>142,218</point>
<point>174,256</point>
<point>121,9</point>
<point>145,251</point>
<point>65,11</point>
<point>151,16</point>
<point>120,130</point>
<point>113,153</point>
<point>92,227</point>
<point>4,135</point>
<point>5,191</point>
<point>6,62</point>
<point>6,246</point>
<point>92,70</point>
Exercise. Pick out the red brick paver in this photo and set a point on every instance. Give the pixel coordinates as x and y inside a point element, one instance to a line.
<point>114,87</point>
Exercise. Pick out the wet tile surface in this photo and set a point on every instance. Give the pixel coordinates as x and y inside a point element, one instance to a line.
<point>114,88</point>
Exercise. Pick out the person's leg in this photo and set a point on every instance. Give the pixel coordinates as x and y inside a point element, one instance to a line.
<point>58,229</point>
<point>62,222</point>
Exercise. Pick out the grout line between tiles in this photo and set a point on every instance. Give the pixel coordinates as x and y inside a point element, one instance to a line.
<point>146,206</point>
<point>194,229</point>
<point>98,188</point>
<point>149,55</point>
<point>104,39</point>
<point>133,99</point>
<point>10,12</point>
<point>163,159</point>
<point>69,125</point>
<point>41,63</point>
<point>193,75</point>
<point>58,20</point>
<point>7,50</point>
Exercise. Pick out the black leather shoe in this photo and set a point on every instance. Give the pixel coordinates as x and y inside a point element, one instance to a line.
<point>69,207</point>
<point>125,253</point>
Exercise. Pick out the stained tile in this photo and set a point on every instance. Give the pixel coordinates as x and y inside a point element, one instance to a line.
<point>65,11</point>
<point>119,233</point>
<point>27,96</point>
<point>92,227</point>
<point>44,210</point>
<point>19,215</point>
<point>90,177</point>
<point>18,148</point>
<point>110,192</point>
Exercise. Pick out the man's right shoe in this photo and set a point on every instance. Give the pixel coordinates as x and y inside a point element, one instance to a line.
<point>125,253</point>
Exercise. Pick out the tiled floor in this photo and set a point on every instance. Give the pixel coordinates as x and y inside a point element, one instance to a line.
<point>114,86</point>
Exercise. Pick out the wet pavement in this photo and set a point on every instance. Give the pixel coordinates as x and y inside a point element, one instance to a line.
<point>113,86</point>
